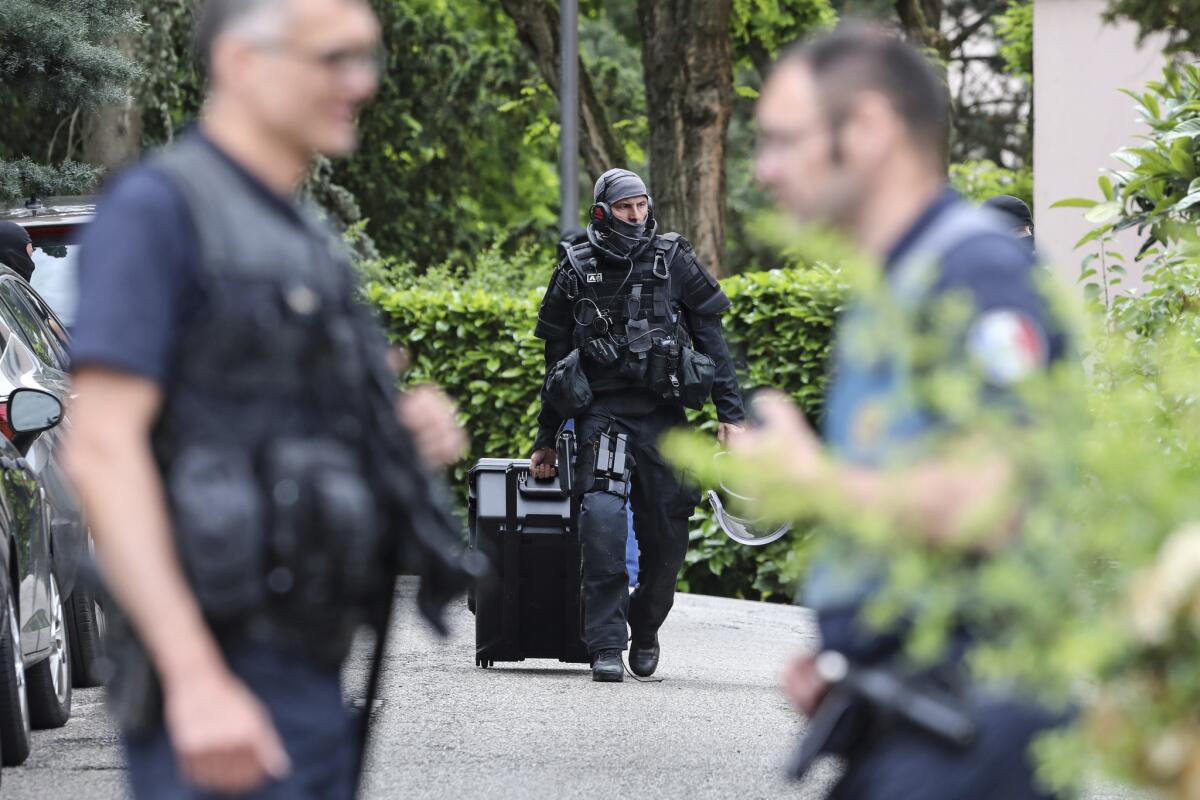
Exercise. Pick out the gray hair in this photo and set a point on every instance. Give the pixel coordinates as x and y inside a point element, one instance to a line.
<point>253,20</point>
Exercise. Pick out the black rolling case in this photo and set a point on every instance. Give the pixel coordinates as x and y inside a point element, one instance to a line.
<point>530,606</point>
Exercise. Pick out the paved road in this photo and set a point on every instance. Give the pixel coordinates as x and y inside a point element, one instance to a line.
<point>535,730</point>
<point>447,729</point>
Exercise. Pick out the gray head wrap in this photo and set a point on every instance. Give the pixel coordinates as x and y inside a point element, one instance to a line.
<point>618,184</point>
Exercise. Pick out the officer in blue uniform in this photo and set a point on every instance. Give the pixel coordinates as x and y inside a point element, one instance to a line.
<point>853,129</point>
<point>233,405</point>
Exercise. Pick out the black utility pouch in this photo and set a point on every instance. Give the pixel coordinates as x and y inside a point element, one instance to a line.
<point>567,389</point>
<point>602,351</point>
<point>324,542</point>
<point>660,370</point>
<point>637,349</point>
<point>220,525</point>
<point>696,375</point>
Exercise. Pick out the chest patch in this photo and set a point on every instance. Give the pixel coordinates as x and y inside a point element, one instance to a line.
<point>595,277</point>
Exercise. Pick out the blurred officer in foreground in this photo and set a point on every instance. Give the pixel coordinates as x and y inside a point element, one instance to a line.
<point>853,128</point>
<point>229,439</point>
<point>1016,213</point>
<point>632,324</point>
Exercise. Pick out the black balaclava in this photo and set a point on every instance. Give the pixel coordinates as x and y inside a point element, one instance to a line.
<point>619,236</point>
<point>14,248</point>
<point>1016,212</point>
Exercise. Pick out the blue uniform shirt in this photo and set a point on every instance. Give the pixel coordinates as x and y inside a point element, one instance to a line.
<point>873,416</point>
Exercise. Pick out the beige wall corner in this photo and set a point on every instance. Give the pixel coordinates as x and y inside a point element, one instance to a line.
<point>1080,117</point>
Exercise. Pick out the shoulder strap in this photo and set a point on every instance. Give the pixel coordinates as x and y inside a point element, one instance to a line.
<point>228,219</point>
<point>577,256</point>
<point>665,248</point>
<point>917,271</point>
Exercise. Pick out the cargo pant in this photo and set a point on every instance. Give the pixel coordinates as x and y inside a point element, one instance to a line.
<point>662,504</point>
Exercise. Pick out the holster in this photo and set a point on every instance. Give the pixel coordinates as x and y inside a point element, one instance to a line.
<point>841,724</point>
<point>614,464</point>
<point>134,695</point>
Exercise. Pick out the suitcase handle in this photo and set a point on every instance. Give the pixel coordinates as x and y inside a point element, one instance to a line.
<point>535,487</point>
<point>518,480</point>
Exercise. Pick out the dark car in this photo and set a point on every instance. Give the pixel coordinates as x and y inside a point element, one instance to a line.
<point>35,658</point>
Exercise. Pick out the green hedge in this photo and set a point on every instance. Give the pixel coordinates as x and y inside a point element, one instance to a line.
<point>480,347</point>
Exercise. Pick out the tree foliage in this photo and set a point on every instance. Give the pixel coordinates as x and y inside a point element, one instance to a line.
<point>56,60</point>
<point>60,54</point>
<point>459,147</point>
<point>1015,29</point>
<point>979,180</point>
<point>992,100</point>
<point>1156,193</point>
<point>1177,20</point>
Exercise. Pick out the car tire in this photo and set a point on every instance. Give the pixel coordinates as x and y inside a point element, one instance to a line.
<point>86,629</point>
<point>15,727</point>
<point>49,680</point>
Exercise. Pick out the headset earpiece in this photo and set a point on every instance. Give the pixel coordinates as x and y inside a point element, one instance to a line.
<point>600,214</point>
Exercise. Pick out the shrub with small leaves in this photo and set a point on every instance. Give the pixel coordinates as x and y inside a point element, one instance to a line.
<point>476,340</point>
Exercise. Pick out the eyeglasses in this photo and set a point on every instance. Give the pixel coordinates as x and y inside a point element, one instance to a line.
<point>784,139</point>
<point>339,61</point>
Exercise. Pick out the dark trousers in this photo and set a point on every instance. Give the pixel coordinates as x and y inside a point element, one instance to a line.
<point>662,504</point>
<point>306,706</point>
<point>907,764</point>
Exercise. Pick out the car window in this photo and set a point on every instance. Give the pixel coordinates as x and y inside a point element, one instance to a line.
<point>59,338</point>
<point>31,331</point>
<point>54,275</point>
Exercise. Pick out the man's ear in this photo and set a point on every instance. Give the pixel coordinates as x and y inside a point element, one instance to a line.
<point>230,57</point>
<point>870,130</point>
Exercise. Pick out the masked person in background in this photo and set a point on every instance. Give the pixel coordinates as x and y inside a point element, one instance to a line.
<point>16,249</point>
<point>235,438</point>
<point>853,128</point>
<point>1017,215</point>
<point>632,324</point>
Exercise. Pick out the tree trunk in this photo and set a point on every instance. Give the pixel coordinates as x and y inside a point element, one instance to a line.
<point>538,29</point>
<point>112,135</point>
<point>922,23</point>
<point>687,60</point>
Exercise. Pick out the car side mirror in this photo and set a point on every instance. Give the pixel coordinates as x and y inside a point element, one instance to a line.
<point>33,411</point>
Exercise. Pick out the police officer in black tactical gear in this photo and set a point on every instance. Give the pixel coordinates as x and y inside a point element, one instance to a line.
<point>237,439</point>
<point>632,324</point>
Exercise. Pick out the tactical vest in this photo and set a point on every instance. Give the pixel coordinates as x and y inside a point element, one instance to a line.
<point>635,303</point>
<point>261,435</point>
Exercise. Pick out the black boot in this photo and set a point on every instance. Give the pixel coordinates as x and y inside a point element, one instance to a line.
<point>643,656</point>
<point>607,667</point>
